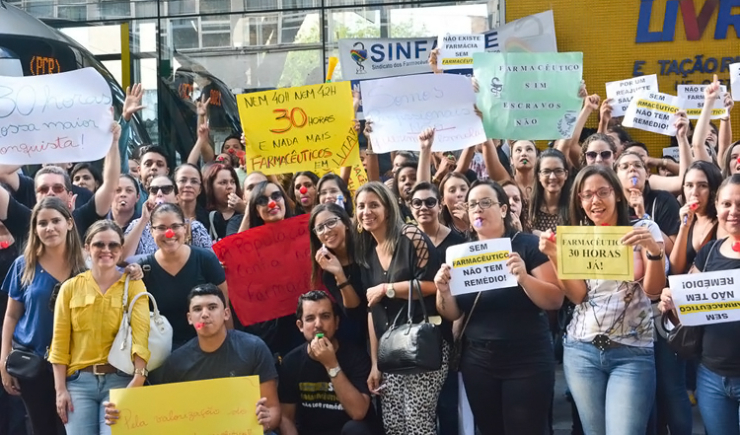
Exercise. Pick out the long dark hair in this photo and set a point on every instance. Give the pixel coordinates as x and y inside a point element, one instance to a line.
<point>394,223</point>
<point>538,195</point>
<point>291,192</point>
<point>446,215</point>
<point>406,165</point>
<point>578,215</point>
<point>714,180</point>
<point>209,180</point>
<point>349,236</point>
<point>596,137</point>
<point>503,198</point>
<point>330,176</point>
<point>254,217</point>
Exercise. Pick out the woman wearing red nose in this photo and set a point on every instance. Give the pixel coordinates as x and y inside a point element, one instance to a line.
<point>223,199</point>
<point>304,192</point>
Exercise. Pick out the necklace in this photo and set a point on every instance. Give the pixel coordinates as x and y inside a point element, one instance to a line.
<point>434,239</point>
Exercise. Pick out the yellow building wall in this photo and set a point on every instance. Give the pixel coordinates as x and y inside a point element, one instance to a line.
<point>607,32</point>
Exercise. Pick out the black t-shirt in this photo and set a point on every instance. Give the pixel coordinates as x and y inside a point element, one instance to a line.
<point>663,209</point>
<point>241,354</point>
<point>354,320</point>
<point>305,383</point>
<point>232,227</point>
<point>26,193</point>
<point>452,239</point>
<point>720,345</point>
<point>171,292</point>
<point>220,224</point>
<point>509,320</point>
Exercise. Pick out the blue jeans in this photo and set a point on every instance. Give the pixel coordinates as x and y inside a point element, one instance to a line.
<point>719,399</point>
<point>672,406</point>
<point>88,392</point>
<point>614,389</point>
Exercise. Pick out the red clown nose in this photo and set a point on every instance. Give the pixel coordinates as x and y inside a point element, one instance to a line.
<point>169,233</point>
<point>303,190</point>
<point>4,244</point>
<point>271,205</point>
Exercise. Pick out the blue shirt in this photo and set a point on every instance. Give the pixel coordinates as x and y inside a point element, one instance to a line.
<point>36,326</point>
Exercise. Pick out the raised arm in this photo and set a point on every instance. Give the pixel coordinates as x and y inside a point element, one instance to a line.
<point>569,147</point>
<point>424,171</point>
<point>373,168</point>
<point>724,141</point>
<point>702,124</point>
<point>111,172</point>
<point>131,105</point>
<point>202,145</point>
<point>496,171</point>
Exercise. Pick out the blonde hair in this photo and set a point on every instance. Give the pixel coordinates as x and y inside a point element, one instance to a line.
<point>35,248</point>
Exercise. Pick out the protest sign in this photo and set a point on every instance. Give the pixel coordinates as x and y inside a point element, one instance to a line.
<point>357,178</point>
<point>706,298</point>
<point>227,407</point>
<point>653,111</point>
<point>735,81</point>
<point>594,253</point>
<point>529,95</point>
<point>623,91</point>
<point>456,51</point>
<point>55,118</point>
<point>267,269</point>
<point>308,128</point>
<point>692,98</point>
<point>402,107</point>
<point>480,266</point>
<point>671,152</point>
<point>533,34</point>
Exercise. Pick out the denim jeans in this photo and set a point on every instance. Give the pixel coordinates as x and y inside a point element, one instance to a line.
<point>613,389</point>
<point>719,399</point>
<point>88,392</point>
<point>447,405</point>
<point>672,406</point>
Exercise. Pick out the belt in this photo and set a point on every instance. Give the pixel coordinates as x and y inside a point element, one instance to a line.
<point>100,369</point>
<point>603,342</point>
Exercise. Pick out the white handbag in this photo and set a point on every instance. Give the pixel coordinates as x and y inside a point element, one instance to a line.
<point>160,337</point>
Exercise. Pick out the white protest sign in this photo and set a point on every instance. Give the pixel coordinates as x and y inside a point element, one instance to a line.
<point>693,101</point>
<point>534,34</point>
<point>671,152</point>
<point>57,118</point>
<point>456,51</point>
<point>402,107</point>
<point>653,111</point>
<point>480,266</point>
<point>623,91</point>
<point>706,298</point>
<point>735,81</point>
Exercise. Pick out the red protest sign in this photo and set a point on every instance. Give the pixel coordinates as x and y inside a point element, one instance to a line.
<point>267,269</point>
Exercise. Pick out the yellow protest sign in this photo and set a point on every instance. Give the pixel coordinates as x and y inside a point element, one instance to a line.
<point>308,128</point>
<point>594,253</point>
<point>203,407</point>
<point>357,178</point>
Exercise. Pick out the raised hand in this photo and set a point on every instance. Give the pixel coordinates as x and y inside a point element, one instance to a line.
<point>132,103</point>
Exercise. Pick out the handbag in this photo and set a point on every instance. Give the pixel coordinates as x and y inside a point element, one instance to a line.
<point>410,348</point>
<point>686,341</point>
<point>24,364</point>
<point>160,337</point>
<point>456,352</point>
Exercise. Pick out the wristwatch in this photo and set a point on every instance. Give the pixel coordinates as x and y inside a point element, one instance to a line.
<point>334,372</point>
<point>655,257</point>
<point>142,372</point>
<point>389,291</point>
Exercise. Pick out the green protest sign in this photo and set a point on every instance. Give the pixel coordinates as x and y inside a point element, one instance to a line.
<point>529,95</point>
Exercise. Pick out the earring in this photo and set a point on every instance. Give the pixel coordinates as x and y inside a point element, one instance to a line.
<point>359,227</point>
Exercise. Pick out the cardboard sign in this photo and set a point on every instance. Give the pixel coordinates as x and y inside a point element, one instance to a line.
<point>529,95</point>
<point>693,101</point>
<point>594,253</point>
<point>706,298</point>
<point>653,111</point>
<point>623,91</point>
<point>217,406</point>
<point>267,269</point>
<point>55,118</point>
<point>480,266</point>
<point>402,107</point>
<point>357,178</point>
<point>456,51</point>
<point>735,81</point>
<point>308,128</point>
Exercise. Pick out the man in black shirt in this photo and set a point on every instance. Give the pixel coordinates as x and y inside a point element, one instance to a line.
<point>323,385</point>
<point>218,353</point>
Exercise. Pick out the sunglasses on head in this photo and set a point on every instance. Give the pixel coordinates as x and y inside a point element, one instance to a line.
<point>112,246</point>
<point>166,190</point>
<point>605,155</point>
<point>56,188</point>
<point>263,200</point>
<point>428,202</point>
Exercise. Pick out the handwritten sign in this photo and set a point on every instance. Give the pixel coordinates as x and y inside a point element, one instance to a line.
<point>706,298</point>
<point>594,253</point>
<point>692,97</point>
<point>529,95</point>
<point>456,51</point>
<point>55,118</point>
<point>653,111</point>
<point>217,406</point>
<point>267,269</point>
<point>402,107</point>
<point>480,266</point>
<point>735,81</point>
<point>357,178</point>
<point>671,152</point>
<point>623,91</point>
<point>308,128</point>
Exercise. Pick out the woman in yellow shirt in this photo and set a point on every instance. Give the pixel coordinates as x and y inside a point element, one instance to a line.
<point>88,314</point>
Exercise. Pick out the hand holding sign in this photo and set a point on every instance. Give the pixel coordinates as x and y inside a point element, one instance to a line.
<point>442,279</point>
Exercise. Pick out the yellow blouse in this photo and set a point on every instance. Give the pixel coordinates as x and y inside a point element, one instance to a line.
<point>86,322</point>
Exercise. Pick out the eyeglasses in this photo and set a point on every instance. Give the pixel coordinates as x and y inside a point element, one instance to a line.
<point>605,155</point>
<point>329,224</point>
<point>263,200</point>
<point>636,164</point>
<point>56,188</point>
<point>484,204</point>
<point>601,193</point>
<point>559,172</point>
<point>416,203</point>
<point>166,190</point>
<point>112,246</point>
<point>163,228</point>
